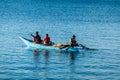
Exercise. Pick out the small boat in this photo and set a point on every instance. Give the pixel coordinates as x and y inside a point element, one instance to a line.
<point>32,44</point>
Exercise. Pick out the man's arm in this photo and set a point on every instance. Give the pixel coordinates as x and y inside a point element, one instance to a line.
<point>32,35</point>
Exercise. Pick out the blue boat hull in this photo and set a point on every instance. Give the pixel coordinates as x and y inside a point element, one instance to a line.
<point>30,43</point>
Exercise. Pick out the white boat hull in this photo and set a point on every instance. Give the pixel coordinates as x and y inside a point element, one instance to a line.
<point>30,43</point>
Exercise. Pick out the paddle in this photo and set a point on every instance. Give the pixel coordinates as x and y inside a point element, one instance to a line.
<point>84,47</point>
<point>65,46</point>
<point>81,45</point>
<point>68,46</point>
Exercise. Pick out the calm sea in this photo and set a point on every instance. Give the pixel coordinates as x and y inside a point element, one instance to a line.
<point>96,24</point>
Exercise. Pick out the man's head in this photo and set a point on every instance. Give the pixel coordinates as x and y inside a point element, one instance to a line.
<point>73,36</point>
<point>36,32</point>
<point>47,35</point>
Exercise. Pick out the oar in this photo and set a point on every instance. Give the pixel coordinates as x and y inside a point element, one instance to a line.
<point>84,47</point>
<point>65,46</point>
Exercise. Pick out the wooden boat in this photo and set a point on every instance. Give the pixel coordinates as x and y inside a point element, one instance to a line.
<point>32,44</point>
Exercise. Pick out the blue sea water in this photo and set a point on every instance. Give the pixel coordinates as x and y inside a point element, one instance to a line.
<point>96,24</point>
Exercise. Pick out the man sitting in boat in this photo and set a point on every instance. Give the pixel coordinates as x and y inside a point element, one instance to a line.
<point>73,41</point>
<point>37,38</point>
<point>46,40</point>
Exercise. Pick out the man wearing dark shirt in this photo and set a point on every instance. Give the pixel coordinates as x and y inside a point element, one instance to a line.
<point>37,38</point>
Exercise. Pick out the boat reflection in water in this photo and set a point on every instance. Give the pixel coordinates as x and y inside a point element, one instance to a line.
<point>38,55</point>
<point>48,63</point>
<point>71,58</point>
<point>40,60</point>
